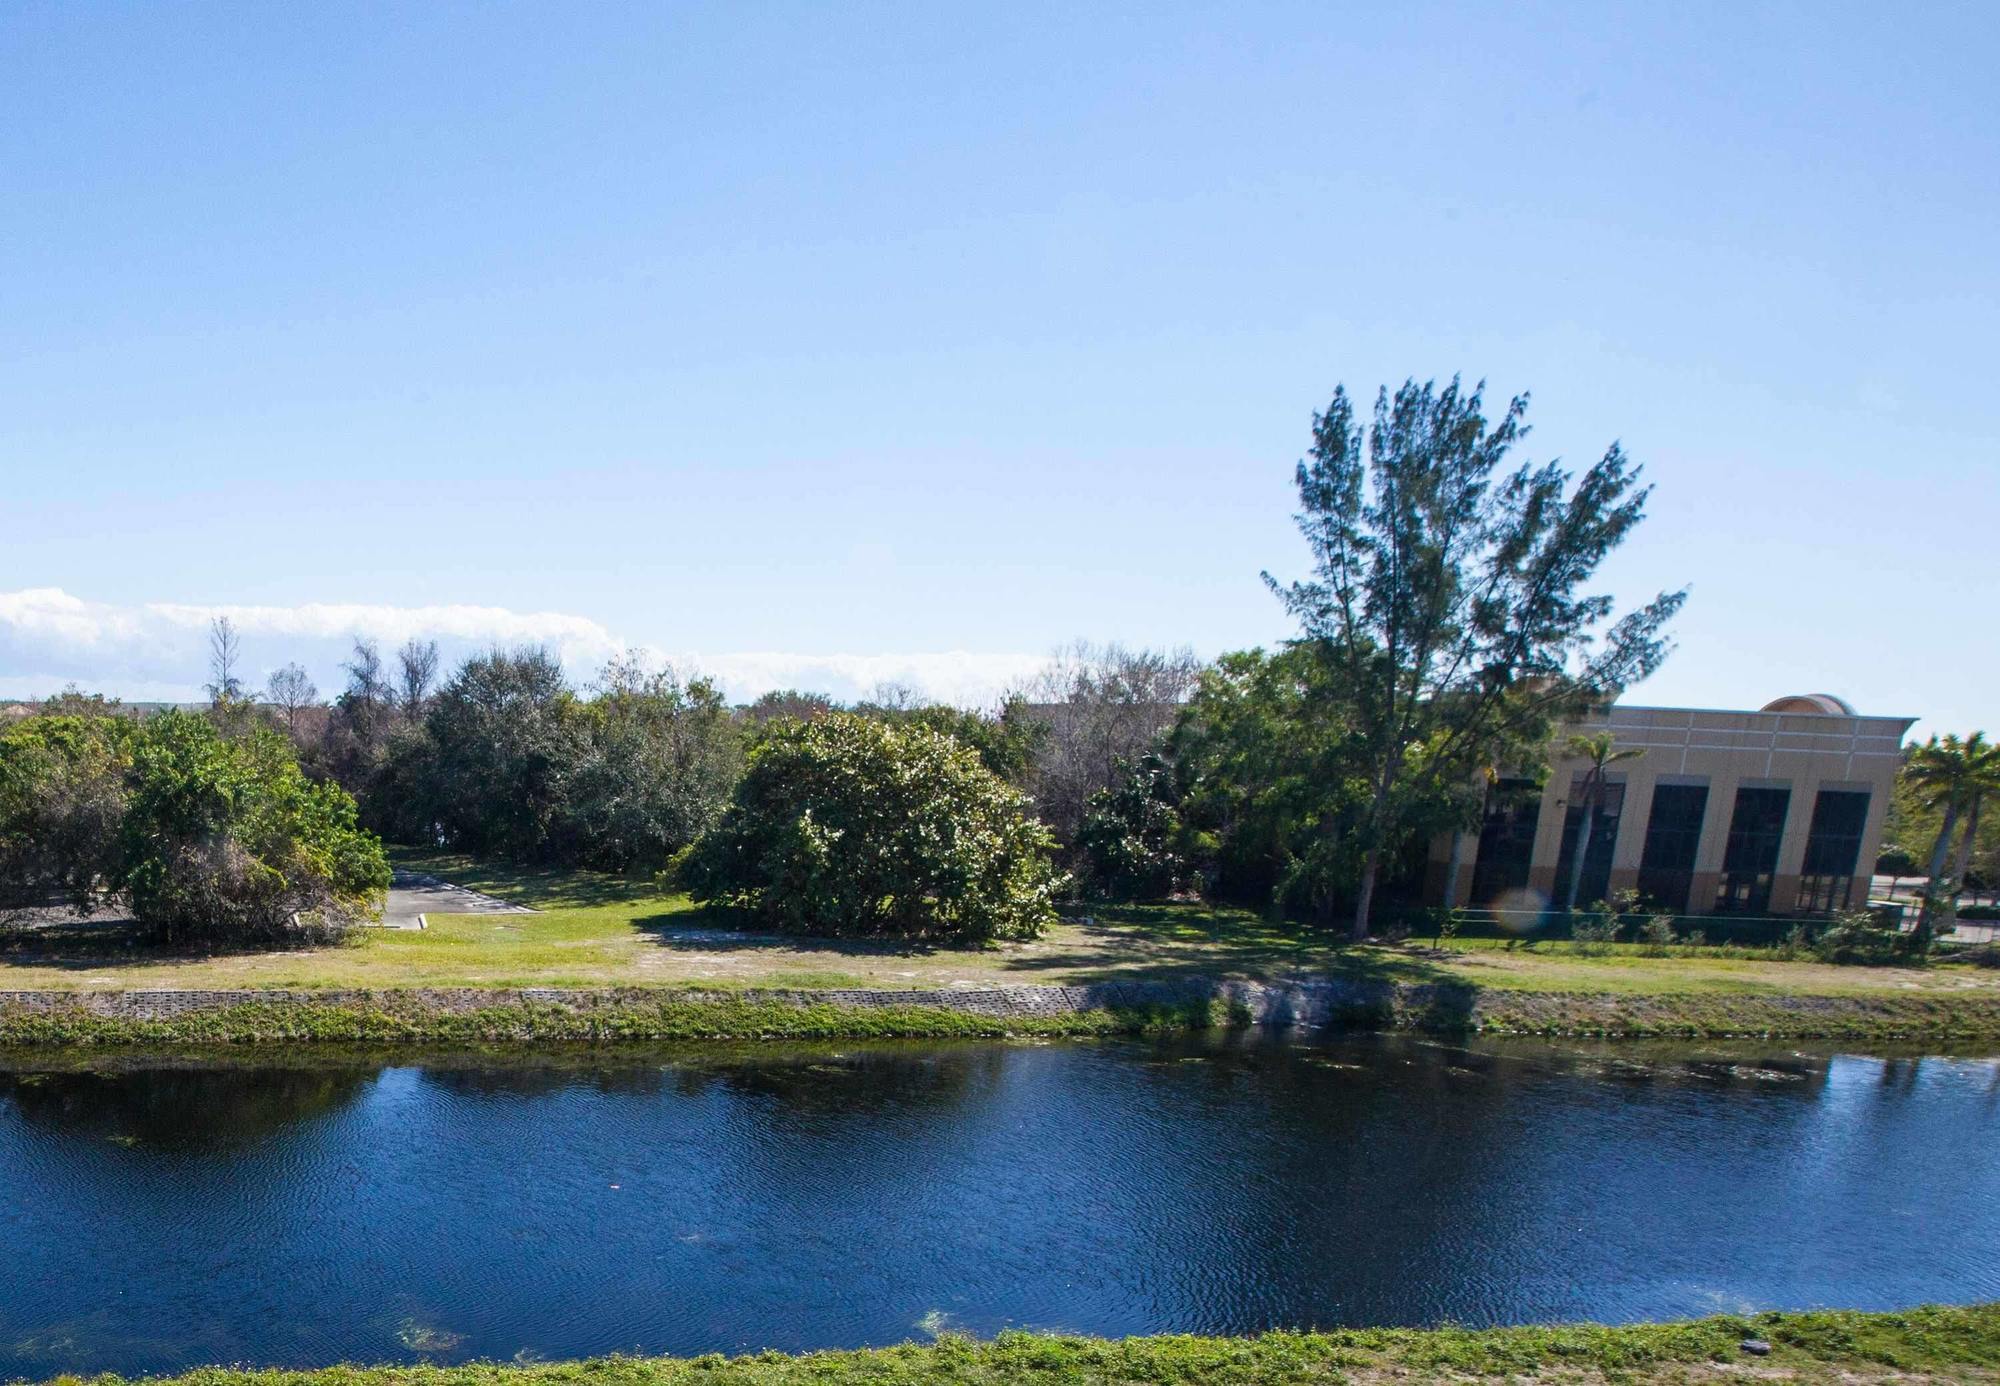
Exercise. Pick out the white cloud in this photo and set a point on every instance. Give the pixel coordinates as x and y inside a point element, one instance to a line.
<point>955,676</point>
<point>158,651</point>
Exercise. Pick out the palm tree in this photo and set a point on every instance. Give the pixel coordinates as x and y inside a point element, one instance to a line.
<point>1600,750</point>
<point>1965,841</point>
<point>1983,779</point>
<point>1953,775</point>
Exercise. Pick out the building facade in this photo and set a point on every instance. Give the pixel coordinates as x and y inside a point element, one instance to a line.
<point>1773,812</point>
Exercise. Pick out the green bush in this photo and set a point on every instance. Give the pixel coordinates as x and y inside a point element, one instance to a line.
<point>1591,934</point>
<point>1863,938</point>
<point>854,827</point>
<point>62,798</point>
<point>1796,943</point>
<point>1599,926</point>
<point>1131,837</point>
<point>1657,935</point>
<point>228,842</point>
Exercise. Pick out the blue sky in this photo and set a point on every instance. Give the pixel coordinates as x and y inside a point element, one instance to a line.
<point>829,343</point>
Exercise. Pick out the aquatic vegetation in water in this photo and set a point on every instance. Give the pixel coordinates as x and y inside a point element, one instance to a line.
<point>935,1323</point>
<point>424,1337</point>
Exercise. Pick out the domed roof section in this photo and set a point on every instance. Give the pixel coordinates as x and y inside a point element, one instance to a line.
<point>1823,704</point>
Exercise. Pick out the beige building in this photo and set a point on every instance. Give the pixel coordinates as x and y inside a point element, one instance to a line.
<point>1773,812</point>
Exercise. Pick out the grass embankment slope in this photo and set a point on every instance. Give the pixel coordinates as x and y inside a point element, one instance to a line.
<point>1930,1344</point>
<point>596,931</point>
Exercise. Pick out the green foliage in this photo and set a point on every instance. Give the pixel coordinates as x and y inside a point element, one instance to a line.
<point>1446,924</point>
<point>1598,751</point>
<point>627,1014</point>
<point>664,757</point>
<point>1132,841</point>
<point>1797,942</point>
<point>228,841</point>
<point>1822,1346</point>
<point>850,826</point>
<point>1262,749</point>
<point>616,1017</point>
<point>62,798</point>
<point>1448,598</point>
<point>1006,744</point>
<point>506,742</point>
<point>210,839</point>
<point>1895,861</point>
<point>1864,938</point>
<point>1593,930</point>
<point>1947,781</point>
<point>508,761</point>
<point>1656,936</point>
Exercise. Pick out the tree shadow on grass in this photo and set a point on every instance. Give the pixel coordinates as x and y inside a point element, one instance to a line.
<point>543,888</point>
<point>710,927</point>
<point>1162,943</point>
<point>112,943</point>
<point>1185,942</point>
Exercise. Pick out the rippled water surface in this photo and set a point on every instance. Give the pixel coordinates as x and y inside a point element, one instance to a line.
<point>159,1214</point>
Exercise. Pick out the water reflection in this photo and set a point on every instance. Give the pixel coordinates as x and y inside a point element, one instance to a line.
<point>324,1207</point>
<point>179,1109</point>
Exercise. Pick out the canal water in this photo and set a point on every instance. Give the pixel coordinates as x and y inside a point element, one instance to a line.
<point>160,1213</point>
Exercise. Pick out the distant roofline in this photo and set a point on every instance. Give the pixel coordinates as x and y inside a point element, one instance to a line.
<point>1760,712</point>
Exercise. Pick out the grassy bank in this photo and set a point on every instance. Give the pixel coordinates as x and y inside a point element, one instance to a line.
<point>1938,1344</point>
<point>662,1016</point>
<point>498,1017</point>
<point>651,949</point>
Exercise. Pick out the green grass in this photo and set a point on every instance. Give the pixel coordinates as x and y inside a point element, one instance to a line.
<point>1957,1344</point>
<point>598,932</point>
<point>664,1015</point>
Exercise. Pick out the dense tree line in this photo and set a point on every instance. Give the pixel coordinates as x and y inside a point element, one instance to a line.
<point>508,758</point>
<point>1444,630</point>
<point>206,836</point>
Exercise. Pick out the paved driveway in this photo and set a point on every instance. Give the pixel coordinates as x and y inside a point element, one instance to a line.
<point>411,897</point>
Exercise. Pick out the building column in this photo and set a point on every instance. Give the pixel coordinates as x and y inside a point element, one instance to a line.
<point>1549,833</point>
<point>1871,847</point>
<point>1792,847</point>
<point>1714,843</point>
<point>1630,847</point>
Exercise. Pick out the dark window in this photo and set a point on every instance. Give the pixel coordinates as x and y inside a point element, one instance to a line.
<point>1833,849</point>
<point>1506,842</point>
<point>1751,858</point>
<point>1673,835</point>
<point>1595,884</point>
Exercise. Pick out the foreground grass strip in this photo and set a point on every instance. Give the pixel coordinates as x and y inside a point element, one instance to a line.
<point>1954,1344</point>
